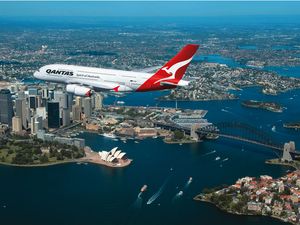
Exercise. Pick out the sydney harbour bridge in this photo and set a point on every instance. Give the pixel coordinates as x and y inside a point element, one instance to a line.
<point>236,131</point>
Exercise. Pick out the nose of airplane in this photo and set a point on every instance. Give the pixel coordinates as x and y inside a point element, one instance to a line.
<point>36,74</point>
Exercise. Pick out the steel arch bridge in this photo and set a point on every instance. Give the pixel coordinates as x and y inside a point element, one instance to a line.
<point>242,132</point>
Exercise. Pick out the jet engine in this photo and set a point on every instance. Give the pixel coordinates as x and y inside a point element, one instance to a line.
<point>79,90</point>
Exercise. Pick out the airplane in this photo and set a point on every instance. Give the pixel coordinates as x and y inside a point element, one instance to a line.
<point>82,81</point>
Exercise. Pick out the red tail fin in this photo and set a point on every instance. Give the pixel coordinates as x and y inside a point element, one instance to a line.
<point>172,71</point>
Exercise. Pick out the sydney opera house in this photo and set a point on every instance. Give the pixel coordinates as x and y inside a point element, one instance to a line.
<point>113,156</point>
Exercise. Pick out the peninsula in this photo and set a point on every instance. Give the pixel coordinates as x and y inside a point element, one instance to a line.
<point>277,198</point>
<point>33,152</point>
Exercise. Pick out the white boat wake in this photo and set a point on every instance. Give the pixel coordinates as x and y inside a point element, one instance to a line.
<point>158,193</point>
<point>209,153</point>
<point>139,201</point>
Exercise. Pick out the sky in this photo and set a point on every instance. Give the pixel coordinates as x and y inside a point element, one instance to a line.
<point>148,9</point>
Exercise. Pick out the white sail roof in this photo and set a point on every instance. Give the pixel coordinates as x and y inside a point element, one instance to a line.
<point>117,153</point>
<point>113,150</point>
<point>108,158</point>
<point>121,155</point>
<point>111,159</point>
<point>104,155</point>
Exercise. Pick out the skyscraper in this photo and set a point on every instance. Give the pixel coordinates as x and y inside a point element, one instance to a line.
<point>98,101</point>
<point>6,109</point>
<point>45,93</point>
<point>66,117</point>
<point>76,112</point>
<point>21,110</point>
<point>16,124</point>
<point>78,101</point>
<point>32,102</point>
<point>87,107</point>
<point>53,115</point>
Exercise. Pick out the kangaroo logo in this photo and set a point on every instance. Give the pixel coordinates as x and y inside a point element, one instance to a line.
<point>173,70</point>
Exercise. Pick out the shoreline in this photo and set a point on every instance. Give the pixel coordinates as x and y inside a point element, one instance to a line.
<point>180,142</point>
<point>92,158</point>
<point>277,162</point>
<point>197,198</point>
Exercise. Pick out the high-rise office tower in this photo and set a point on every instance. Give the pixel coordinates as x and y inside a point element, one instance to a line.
<point>45,93</point>
<point>21,110</point>
<point>76,113</point>
<point>98,101</point>
<point>87,107</point>
<point>32,102</point>
<point>66,117</point>
<point>6,109</point>
<point>16,124</point>
<point>53,115</point>
<point>78,101</point>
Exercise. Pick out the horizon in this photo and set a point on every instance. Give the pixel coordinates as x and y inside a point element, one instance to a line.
<point>146,9</point>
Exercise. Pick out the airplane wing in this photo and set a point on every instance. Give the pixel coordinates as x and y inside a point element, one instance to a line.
<point>104,86</point>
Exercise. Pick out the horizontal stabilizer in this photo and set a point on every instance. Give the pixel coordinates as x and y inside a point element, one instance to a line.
<point>181,83</point>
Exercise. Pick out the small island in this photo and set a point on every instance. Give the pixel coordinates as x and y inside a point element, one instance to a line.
<point>266,196</point>
<point>295,125</point>
<point>270,106</point>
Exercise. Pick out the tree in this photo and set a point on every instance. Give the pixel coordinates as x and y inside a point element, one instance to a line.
<point>44,158</point>
<point>59,156</point>
<point>178,135</point>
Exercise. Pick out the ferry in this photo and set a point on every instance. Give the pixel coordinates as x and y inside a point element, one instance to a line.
<point>144,188</point>
<point>217,158</point>
<point>190,179</point>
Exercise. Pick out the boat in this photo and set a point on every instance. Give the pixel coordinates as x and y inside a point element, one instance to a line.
<point>180,193</point>
<point>273,128</point>
<point>120,102</point>
<point>144,188</point>
<point>217,158</point>
<point>190,179</point>
<point>224,160</point>
<point>109,135</point>
<point>136,142</point>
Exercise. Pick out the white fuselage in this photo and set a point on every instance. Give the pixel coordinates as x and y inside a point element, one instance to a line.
<point>98,78</point>
<point>81,80</point>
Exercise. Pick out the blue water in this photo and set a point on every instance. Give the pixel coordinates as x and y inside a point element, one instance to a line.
<point>283,47</point>
<point>290,71</point>
<point>248,47</point>
<point>217,59</point>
